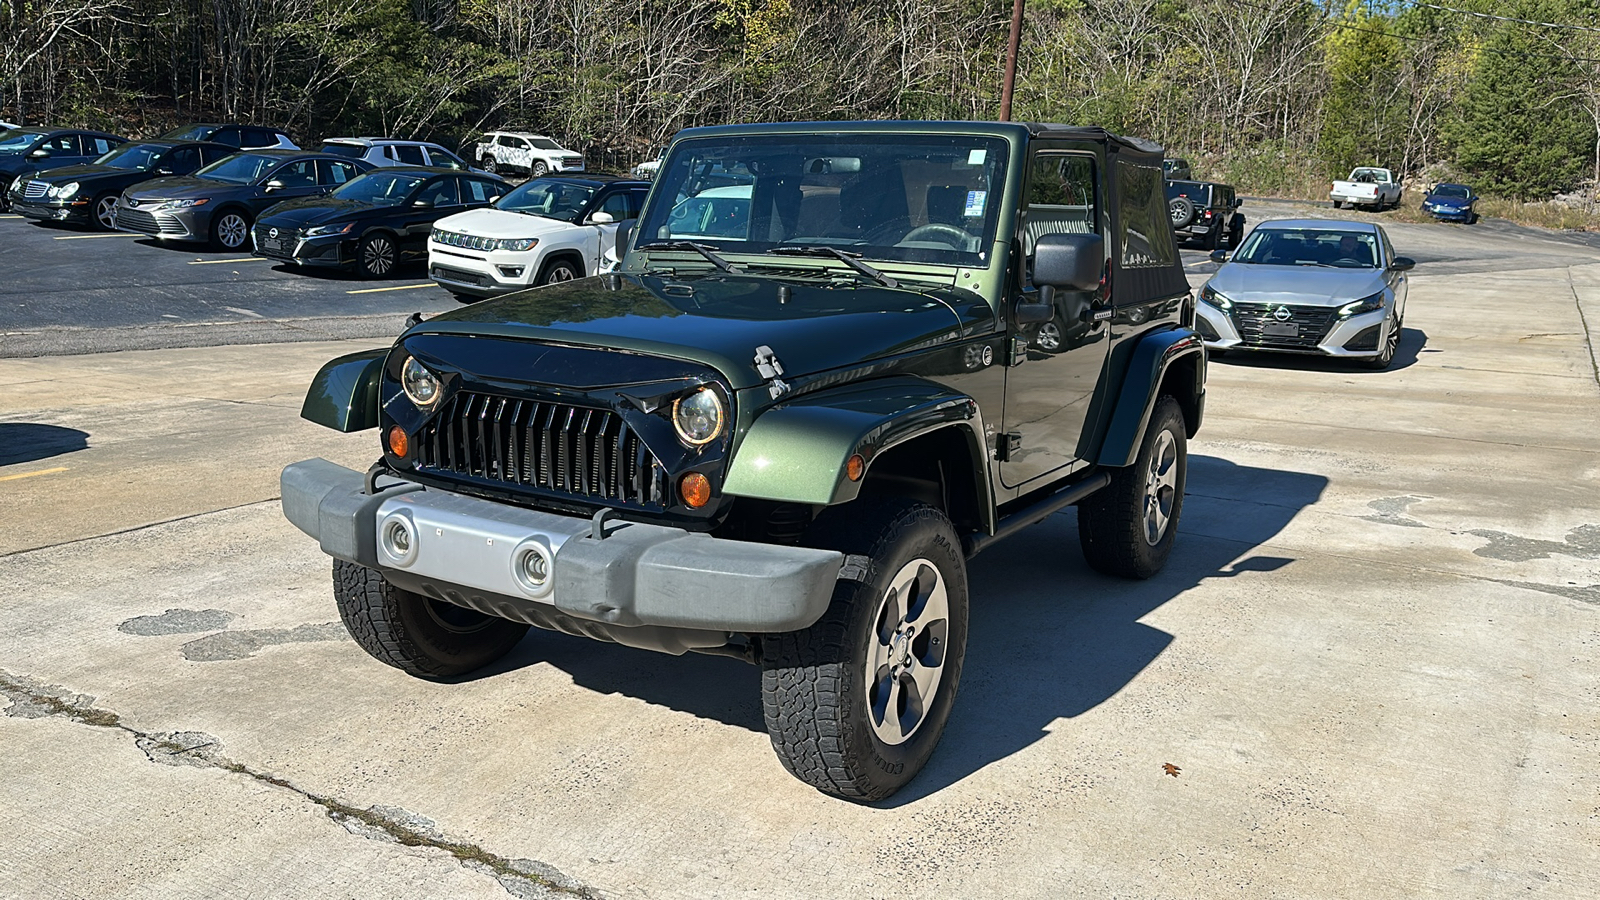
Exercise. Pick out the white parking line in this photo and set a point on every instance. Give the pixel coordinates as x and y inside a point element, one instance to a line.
<point>244,312</point>
<point>216,262</point>
<point>90,237</point>
<point>402,287</point>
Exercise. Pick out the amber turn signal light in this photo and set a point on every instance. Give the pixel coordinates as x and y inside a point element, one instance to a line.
<point>855,467</point>
<point>398,444</point>
<point>696,490</point>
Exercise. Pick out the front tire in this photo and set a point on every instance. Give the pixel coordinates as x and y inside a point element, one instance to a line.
<point>231,230</point>
<point>105,212</point>
<point>556,271</point>
<point>1386,353</point>
<point>376,256</point>
<point>538,169</point>
<point>855,704</point>
<point>1128,527</point>
<point>419,636</point>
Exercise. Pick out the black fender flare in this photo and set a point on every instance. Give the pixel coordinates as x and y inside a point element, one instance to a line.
<point>1175,351</point>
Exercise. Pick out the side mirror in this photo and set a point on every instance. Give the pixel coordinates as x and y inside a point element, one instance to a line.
<point>164,171</point>
<point>601,218</point>
<point>41,153</point>
<point>422,204</point>
<point>1219,256</point>
<point>273,185</point>
<point>1237,202</point>
<point>624,236</point>
<point>1070,261</point>
<point>1403,264</point>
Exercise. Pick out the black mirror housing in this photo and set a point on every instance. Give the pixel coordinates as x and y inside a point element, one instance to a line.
<point>1219,256</point>
<point>624,235</point>
<point>1403,264</point>
<point>1071,261</point>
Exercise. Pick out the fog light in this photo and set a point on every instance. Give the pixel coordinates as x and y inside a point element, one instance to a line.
<point>398,443</point>
<point>696,490</point>
<point>531,567</point>
<point>397,538</point>
<point>510,271</point>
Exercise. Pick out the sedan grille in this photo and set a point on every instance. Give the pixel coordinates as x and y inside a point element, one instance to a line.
<point>130,219</point>
<point>587,454</point>
<point>1303,328</point>
<point>33,190</point>
<point>470,242</point>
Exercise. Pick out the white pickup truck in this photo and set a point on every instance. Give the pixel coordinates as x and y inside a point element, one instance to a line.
<point>1366,186</point>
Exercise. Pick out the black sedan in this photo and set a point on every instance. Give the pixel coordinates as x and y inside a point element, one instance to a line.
<point>25,150</point>
<point>87,195</point>
<point>221,201</point>
<point>373,223</point>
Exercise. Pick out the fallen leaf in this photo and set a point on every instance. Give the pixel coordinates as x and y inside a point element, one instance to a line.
<point>1170,769</point>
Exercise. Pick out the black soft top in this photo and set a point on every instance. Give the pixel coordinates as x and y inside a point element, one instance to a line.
<point>1121,142</point>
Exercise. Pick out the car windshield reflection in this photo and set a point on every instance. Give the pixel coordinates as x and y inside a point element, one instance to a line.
<point>379,188</point>
<point>549,198</point>
<point>1310,247</point>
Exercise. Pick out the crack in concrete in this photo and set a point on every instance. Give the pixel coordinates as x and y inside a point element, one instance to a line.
<point>524,879</point>
<point>135,528</point>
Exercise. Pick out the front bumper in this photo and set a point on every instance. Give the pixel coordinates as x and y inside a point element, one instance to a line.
<point>332,251</point>
<point>1221,332</point>
<point>189,224</point>
<point>73,211</point>
<point>482,273</point>
<point>1450,215</point>
<point>633,580</point>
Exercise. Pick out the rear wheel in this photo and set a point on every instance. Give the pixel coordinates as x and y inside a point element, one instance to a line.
<point>231,230</point>
<point>105,212</point>
<point>855,703</point>
<point>1127,528</point>
<point>417,635</point>
<point>1338,204</point>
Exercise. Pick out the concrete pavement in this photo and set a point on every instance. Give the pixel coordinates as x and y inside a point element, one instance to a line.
<point>1373,661</point>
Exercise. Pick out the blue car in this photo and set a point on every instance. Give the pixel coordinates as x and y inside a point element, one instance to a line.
<point>1451,203</point>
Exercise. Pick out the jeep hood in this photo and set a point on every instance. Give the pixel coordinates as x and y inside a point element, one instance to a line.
<point>1297,285</point>
<point>498,223</point>
<point>720,319</point>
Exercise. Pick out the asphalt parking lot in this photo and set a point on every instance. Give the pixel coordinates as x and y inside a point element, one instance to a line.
<point>1372,663</point>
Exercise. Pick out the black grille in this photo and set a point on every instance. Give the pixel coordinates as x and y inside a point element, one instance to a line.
<point>588,454</point>
<point>459,276</point>
<point>129,219</point>
<point>1311,324</point>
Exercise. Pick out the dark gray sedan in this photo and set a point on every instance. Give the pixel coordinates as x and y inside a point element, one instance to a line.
<point>220,202</point>
<point>1316,286</point>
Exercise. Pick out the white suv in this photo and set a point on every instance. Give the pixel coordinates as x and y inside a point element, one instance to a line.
<point>548,230</point>
<point>514,151</point>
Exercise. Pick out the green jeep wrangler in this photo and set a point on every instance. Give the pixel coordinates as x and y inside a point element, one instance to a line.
<point>836,362</point>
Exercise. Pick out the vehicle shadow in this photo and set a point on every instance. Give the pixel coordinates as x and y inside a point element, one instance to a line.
<point>22,442</point>
<point>1412,344</point>
<point>1049,638</point>
<point>405,271</point>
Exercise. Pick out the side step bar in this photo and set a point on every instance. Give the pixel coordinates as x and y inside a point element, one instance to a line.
<point>974,544</point>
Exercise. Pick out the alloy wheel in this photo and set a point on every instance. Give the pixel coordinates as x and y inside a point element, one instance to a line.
<point>560,272</point>
<point>105,213</point>
<point>1049,338</point>
<point>232,231</point>
<point>906,652</point>
<point>377,257</point>
<point>1160,487</point>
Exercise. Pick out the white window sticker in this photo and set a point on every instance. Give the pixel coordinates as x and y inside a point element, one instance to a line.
<point>976,157</point>
<point>975,203</point>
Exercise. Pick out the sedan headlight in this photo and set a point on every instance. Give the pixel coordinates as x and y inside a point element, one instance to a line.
<point>319,230</point>
<point>185,204</point>
<point>16,183</point>
<point>63,191</point>
<point>421,386</point>
<point>1364,305</point>
<point>698,417</point>
<point>1209,296</point>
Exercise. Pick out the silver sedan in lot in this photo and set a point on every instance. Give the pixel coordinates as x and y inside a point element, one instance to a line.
<point>1316,286</point>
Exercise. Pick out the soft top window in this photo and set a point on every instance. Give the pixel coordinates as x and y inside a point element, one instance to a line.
<point>1145,229</point>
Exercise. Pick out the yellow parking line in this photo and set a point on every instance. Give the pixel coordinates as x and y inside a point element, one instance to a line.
<point>90,237</point>
<point>402,287</point>
<point>31,474</point>
<point>10,217</point>
<point>218,262</point>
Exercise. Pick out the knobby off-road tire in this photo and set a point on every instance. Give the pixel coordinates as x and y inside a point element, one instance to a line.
<point>1127,527</point>
<point>419,636</point>
<point>846,700</point>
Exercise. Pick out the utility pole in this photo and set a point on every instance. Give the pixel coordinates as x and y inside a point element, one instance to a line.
<point>1011,59</point>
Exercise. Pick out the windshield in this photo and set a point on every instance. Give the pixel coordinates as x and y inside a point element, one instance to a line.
<point>549,198</point>
<point>348,151</point>
<point>240,168</point>
<point>132,156</point>
<point>379,188</point>
<point>920,198</point>
<point>189,133</point>
<point>17,141</point>
<point>1452,191</point>
<point>1310,247</point>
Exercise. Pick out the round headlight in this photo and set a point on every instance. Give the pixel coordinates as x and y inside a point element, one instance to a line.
<point>419,384</point>
<point>698,417</point>
<point>64,191</point>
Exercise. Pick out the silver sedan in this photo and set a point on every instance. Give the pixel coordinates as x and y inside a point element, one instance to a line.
<point>1314,286</point>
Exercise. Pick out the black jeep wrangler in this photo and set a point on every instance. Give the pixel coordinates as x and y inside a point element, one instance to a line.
<point>782,428</point>
<point>1205,212</point>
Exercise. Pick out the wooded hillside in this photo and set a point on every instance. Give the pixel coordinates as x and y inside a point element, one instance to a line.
<point>1274,95</point>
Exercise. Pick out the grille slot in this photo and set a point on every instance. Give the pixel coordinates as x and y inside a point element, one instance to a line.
<point>33,190</point>
<point>1313,323</point>
<point>588,454</point>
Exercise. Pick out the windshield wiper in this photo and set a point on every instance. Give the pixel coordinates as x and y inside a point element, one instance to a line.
<point>853,260</point>
<point>709,252</point>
